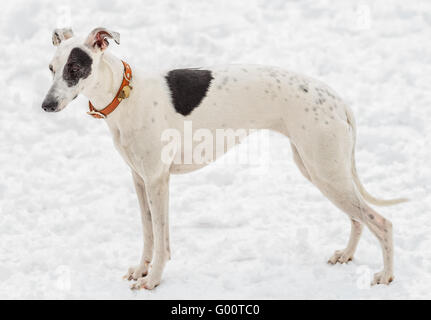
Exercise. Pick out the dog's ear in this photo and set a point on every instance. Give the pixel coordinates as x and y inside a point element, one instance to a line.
<point>97,39</point>
<point>59,35</point>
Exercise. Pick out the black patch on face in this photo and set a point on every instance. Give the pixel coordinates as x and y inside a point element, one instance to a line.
<point>78,66</point>
<point>188,87</point>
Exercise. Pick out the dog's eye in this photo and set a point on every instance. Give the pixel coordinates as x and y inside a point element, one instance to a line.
<point>51,68</point>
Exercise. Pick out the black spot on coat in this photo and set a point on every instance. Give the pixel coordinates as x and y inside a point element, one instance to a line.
<point>188,87</point>
<point>78,66</point>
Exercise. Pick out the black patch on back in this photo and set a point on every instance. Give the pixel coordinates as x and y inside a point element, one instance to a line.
<point>188,87</point>
<point>78,66</point>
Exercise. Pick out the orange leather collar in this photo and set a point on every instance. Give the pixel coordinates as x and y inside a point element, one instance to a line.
<point>123,93</point>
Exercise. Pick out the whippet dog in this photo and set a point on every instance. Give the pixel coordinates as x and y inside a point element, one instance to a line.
<point>138,107</point>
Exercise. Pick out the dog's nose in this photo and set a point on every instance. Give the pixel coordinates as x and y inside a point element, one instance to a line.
<point>50,105</point>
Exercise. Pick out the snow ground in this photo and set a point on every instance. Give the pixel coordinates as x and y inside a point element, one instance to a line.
<point>236,231</point>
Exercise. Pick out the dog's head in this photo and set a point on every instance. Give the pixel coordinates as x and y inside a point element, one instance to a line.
<point>73,64</point>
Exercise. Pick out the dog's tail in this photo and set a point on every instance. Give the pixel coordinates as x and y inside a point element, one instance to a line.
<point>368,197</point>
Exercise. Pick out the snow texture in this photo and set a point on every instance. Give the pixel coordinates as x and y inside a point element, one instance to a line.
<point>69,217</point>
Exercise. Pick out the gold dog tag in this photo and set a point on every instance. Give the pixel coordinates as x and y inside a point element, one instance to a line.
<point>125,93</point>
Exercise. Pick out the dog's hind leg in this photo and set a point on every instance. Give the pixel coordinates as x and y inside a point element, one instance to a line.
<point>346,255</point>
<point>344,195</point>
<point>327,158</point>
<point>382,229</point>
<point>340,256</point>
<point>141,270</point>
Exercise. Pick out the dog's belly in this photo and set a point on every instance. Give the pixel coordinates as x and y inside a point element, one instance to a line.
<point>204,146</point>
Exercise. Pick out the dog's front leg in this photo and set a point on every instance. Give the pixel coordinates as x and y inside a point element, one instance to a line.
<point>158,199</point>
<point>141,270</point>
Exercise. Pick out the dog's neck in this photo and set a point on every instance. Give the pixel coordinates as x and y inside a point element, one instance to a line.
<point>108,78</point>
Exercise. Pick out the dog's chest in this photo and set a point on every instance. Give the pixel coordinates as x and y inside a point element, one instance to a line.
<point>123,140</point>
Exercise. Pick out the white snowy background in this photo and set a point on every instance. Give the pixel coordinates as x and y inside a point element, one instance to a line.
<point>69,217</point>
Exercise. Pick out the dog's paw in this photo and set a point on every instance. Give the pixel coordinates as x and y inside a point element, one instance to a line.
<point>382,277</point>
<point>134,273</point>
<point>341,256</point>
<point>147,282</point>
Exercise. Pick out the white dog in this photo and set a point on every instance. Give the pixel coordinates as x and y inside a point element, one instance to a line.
<point>138,107</point>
